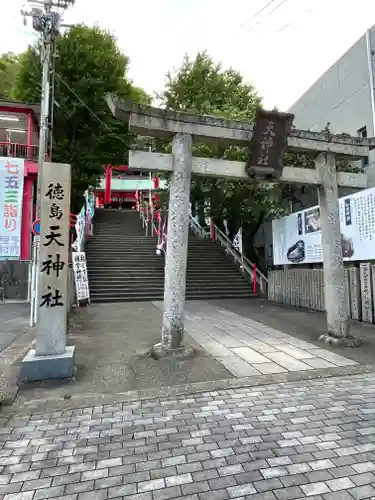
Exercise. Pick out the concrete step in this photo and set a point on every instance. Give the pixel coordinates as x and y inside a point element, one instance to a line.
<point>126,271</point>
<point>149,253</point>
<point>150,296</point>
<point>149,259</point>
<point>131,245</point>
<point>129,286</point>
<point>125,268</point>
<point>151,279</point>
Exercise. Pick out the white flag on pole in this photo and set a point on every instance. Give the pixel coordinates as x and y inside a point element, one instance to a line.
<point>237,242</point>
<point>226,229</point>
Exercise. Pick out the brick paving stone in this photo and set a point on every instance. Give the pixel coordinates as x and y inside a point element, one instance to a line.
<point>337,495</point>
<point>362,492</point>
<point>194,488</point>
<point>288,493</point>
<point>342,483</point>
<point>318,476</point>
<point>79,487</point>
<point>52,492</point>
<point>315,488</point>
<point>242,490</point>
<point>294,480</point>
<point>222,482</point>
<point>268,484</point>
<point>360,479</point>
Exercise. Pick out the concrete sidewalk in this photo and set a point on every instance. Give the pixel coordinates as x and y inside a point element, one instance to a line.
<point>14,319</point>
<point>15,337</point>
<point>303,325</point>
<point>247,347</point>
<point>113,342</point>
<point>289,441</point>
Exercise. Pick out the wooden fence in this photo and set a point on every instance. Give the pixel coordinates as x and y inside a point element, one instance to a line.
<point>305,288</point>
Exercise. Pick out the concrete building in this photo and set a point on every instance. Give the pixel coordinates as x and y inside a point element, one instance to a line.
<point>342,97</point>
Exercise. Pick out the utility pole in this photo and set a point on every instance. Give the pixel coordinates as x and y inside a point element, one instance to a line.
<point>46,18</point>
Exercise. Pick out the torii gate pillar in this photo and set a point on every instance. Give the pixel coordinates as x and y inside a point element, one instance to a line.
<point>334,274</point>
<point>177,243</point>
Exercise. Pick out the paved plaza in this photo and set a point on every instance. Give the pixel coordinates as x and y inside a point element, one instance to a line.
<point>313,439</point>
<point>247,347</point>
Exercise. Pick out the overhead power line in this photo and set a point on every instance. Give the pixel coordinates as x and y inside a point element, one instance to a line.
<point>342,102</point>
<point>269,14</point>
<point>268,4</point>
<point>61,79</point>
<point>257,13</point>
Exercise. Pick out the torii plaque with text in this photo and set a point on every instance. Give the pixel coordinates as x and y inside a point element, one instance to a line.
<point>270,134</point>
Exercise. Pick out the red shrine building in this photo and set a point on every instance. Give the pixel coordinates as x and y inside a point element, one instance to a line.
<point>19,138</point>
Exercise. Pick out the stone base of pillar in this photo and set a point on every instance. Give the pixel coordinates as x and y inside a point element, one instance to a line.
<point>56,366</point>
<point>183,352</point>
<point>340,341</point>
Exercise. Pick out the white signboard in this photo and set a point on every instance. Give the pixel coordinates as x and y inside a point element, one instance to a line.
<point>80,276</point>
<point>11,196</point>
<point>297,238</point>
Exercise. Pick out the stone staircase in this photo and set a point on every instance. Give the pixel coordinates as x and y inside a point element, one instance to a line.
<point>123,265</point>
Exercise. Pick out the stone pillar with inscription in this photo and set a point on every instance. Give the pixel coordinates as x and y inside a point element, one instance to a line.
<point>52,358</point>
<point>333,265</point>
<point>355,293</point>
<point>366,292</point>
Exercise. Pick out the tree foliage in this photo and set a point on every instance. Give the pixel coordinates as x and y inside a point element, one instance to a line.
<point>88,65</point>
<point>202,86</point>
<point>8,70</point>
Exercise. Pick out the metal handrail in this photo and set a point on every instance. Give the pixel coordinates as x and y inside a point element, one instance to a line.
<point>246,265</point>
<point>16,149</point>
<point>197,228</point>
<point>251,264</point>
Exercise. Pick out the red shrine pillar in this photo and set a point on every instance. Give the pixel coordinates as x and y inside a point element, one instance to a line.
<point>156,195</point>
<point>107,187</point>
<point>30,126</point>
<point>27,215</point>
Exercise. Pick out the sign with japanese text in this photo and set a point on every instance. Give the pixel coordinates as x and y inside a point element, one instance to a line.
<point>53,259</point>
<point>271,130</point>
<point>297,238</point>
<point>80,276</point>
<point>11,196</point>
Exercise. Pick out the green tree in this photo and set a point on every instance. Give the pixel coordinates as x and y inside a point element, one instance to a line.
<point>202,86</point>
<point>8,70</point>
<point>88,65</point>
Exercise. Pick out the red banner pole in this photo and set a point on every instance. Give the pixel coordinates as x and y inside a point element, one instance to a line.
<point>255,278</point>
<point>212,229</point>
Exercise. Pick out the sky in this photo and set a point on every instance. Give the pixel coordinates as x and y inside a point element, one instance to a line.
<point>282,50</point>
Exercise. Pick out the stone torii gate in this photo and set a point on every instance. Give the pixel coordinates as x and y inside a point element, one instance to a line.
<point>183,129</point>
